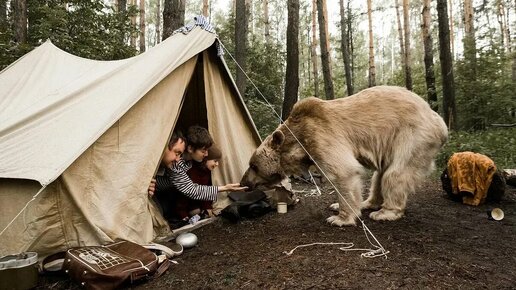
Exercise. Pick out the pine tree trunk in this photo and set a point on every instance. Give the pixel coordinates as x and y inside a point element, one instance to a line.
<point>400,33</point>
<point>266,24</point>
<point>241,26</point>
<point>325,54</point>
<point>205,8</point>
<point>452,33</point>
<point>142,26</point>
<point>158,22</point>
<point>315,67</point>
<point>344,43</point>
<point>504,29</point>
<point>173,16</point>
<point>449,110</point>
<point>133,24</point>
<point>20,21</point>
<point>372,69</point>
<point>292,70</point>
<point>431,92</point>
<point>408,64</point>
<point>3,18</point>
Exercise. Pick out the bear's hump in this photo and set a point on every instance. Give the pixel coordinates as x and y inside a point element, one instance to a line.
<point>307,107</point>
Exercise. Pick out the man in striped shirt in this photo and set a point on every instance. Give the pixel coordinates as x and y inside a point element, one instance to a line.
<point>172,177</point>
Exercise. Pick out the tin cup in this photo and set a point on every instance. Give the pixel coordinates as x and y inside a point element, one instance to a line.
<point>282,207</point>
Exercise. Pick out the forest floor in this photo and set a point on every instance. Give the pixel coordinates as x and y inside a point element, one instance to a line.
<point>439,244</point>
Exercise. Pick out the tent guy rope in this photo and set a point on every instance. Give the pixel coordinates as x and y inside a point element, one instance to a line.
<point>379,249</point>
<point>22,210</point>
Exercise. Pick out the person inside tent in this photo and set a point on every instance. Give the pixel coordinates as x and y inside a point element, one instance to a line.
<point>172,177</point>
<point>200,173</point>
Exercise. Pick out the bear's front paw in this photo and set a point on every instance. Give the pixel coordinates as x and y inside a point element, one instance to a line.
<point>334,206</point>
<point>386,215</point>
<point>337,220</point>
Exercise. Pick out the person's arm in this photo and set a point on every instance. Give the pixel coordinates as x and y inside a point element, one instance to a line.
<point>186,186</point>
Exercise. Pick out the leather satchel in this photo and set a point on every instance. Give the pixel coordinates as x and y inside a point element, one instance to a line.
<point>108,267</point>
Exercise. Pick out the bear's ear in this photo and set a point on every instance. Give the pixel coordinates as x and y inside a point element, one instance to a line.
<point>277,139</point>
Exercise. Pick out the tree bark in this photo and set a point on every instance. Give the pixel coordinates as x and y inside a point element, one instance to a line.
<point>20,21</point>
<point>408,64</point>
<point>292,70</point>
<point>344,43</point>
<point>266,23</point>
<point>315,67</point>
<point>400,33</point>
<point>241,28</point>
<point>452,33</point>
<point>142,26</point>
<point>205,8</point>
<point>449,110</point>
<point>133,24</point>
<point>158,22</point>
<point>3,17</point>
<point>173,16</point>
<point>431,91</point>
<point>504,28</point>
<point>122,5</point>
<point>372,69</point>
<point>325,54</point>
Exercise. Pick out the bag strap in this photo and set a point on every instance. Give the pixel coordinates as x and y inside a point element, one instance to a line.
<point>162,268</point>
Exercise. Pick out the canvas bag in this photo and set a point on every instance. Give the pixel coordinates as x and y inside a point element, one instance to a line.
<point>108,267</point>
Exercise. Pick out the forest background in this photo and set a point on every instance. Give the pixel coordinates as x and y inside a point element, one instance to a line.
<point>324,48</point>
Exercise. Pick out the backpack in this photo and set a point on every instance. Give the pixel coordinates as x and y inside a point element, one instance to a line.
<point>108,267</point>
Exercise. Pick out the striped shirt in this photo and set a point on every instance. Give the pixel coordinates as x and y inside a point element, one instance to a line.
<point>178,179</point>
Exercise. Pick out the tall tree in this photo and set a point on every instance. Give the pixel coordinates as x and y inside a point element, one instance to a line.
<point>292,70</point>
<point>241,28</point>
<point>325,53</point>
<point>452,33</point>
<point>470,50</point>
<point>400,33</point>
<point>504,28</point>
<point>408,65</point>
<point>173,16</point>
<point>449,110</point>
<point>122,5</point>
<point>372,69</point>
<point>344,44</point>
<point>266,23</point>
<point>431,92</point>
<point>205,8</point>
<point>3,17</point>
<point>133,24</point>
<point>142,26</point>
<point>315,67</point>
<point>158,22</point>
<point>20,20</point>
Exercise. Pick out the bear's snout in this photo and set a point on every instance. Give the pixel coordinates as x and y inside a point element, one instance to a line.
<point>247,181</point>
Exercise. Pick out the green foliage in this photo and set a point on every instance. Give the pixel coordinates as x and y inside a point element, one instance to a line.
<point>497,144</point>
<point>89,29</point>
<point>265,68</point>
<point>486,97</point>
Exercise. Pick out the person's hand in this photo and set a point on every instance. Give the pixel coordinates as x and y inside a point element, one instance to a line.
<point>152,187</point>
<point>232,187</point>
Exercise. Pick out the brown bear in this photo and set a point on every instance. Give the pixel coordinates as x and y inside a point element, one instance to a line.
<point>387,129</point>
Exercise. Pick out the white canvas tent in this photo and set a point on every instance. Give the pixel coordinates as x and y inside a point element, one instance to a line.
<point>89,135</point>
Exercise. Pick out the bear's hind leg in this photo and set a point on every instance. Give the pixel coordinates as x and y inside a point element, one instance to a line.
<point>397,184</point>
<point>375,199</point>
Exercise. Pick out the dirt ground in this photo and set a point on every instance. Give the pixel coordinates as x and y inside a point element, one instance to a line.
<point>439,244</point>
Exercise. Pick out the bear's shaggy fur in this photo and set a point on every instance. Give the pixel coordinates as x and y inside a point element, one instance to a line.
<point>387,129</point>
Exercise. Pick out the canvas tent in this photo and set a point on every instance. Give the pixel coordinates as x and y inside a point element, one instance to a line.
<point>88,136</point>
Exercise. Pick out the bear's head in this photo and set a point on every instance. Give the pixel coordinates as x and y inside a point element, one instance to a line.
<point>273,160</point>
